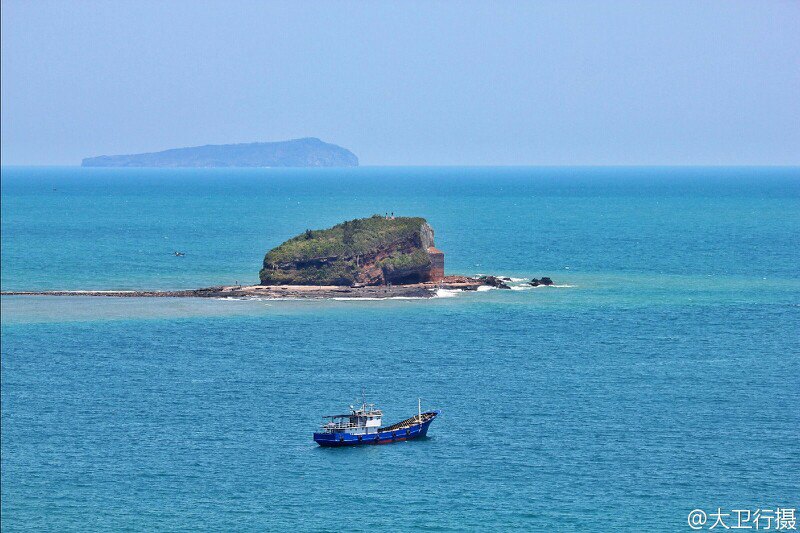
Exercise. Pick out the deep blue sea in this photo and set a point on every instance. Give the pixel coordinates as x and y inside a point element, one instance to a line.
<point>662,375</point>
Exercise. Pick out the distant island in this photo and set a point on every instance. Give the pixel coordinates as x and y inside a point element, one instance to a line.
<point>307,152</point>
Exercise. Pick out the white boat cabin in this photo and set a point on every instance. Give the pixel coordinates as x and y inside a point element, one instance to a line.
<point>363,421</point>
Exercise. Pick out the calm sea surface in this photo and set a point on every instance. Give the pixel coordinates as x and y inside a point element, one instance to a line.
<point>662,375</point>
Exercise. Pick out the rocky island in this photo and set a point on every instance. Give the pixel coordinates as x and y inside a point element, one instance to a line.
<point>380,250</point>
<point>375,257</point>
<point>307,152</point>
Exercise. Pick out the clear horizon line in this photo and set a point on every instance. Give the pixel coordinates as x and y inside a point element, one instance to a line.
<point>604,165</point>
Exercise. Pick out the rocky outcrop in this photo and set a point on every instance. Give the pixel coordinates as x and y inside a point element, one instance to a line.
<point>293,292</point>
<point>544,281</point>
<point>493,281</point>
<point>369,251</point>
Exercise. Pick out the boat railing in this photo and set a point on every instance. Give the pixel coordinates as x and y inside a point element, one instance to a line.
<point>330,426</point>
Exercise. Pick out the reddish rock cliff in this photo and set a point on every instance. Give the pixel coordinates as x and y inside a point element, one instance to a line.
<point>370,251</point>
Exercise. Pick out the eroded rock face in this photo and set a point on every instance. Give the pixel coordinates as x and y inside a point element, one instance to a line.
<point>426,236</point>
<point>369,251</point>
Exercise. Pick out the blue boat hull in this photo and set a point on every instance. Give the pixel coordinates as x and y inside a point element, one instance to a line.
<point>381,437</point>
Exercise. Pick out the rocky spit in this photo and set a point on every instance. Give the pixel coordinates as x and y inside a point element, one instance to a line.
<point>412,290</point>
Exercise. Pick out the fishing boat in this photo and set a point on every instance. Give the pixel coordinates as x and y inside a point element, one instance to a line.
<point>362,425</point>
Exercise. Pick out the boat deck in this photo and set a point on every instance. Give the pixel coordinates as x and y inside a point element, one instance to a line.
<point>413,421</point>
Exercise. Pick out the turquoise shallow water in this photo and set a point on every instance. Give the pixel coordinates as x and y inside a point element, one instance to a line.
<point>662,377</point>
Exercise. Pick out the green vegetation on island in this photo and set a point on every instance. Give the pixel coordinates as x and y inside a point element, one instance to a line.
<point>367,251</point>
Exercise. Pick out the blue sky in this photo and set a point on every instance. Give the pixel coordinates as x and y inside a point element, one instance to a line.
<point>408,83</point>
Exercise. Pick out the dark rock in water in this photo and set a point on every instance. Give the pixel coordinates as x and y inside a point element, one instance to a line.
<point>506,279</point>
<point>493,281</point>
<point>309,152</point>
<point>544,281</point>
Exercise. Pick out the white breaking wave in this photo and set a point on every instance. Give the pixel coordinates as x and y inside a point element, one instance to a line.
<point>484,288</point>
<point>507,279</point>
<point>447,293</point>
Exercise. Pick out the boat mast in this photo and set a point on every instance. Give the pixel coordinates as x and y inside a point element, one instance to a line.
<point>419,410</point>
